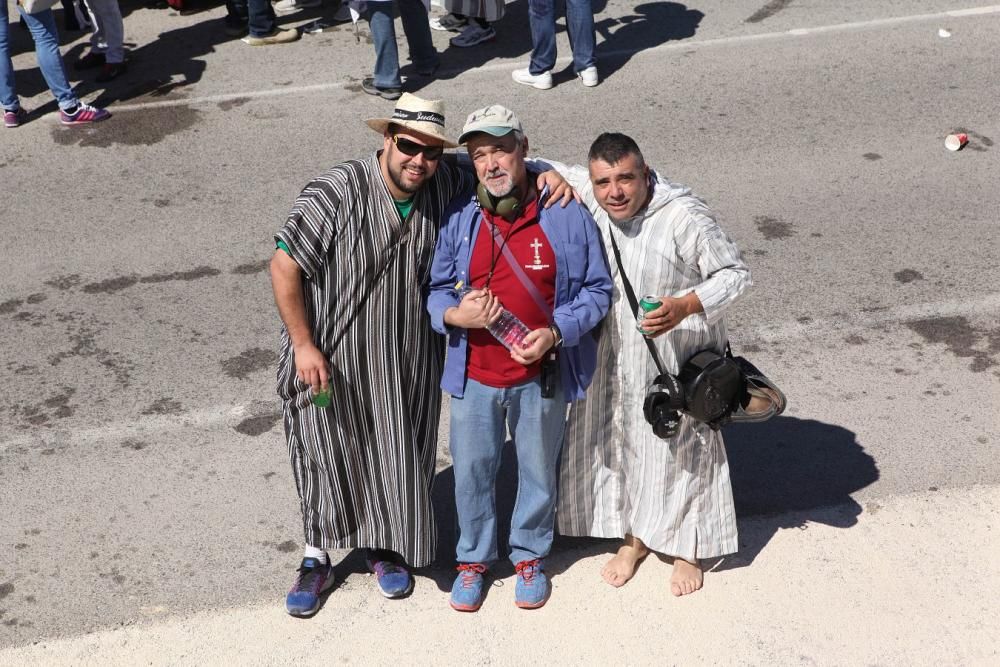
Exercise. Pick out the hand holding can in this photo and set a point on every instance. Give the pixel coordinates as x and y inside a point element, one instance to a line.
<point>647,304</point>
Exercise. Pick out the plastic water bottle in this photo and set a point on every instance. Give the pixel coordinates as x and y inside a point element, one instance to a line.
<point>508,328</point>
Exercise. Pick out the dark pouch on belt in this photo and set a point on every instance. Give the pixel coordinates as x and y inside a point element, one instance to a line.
<point>549,375</point>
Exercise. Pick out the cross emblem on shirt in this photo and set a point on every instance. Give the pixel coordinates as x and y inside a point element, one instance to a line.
<point>537,246</point>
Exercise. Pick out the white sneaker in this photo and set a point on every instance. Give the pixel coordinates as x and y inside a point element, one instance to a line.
<point>588,76</point>
<point>289,6</point>
<point>450,22</point>
<point>541,81</point>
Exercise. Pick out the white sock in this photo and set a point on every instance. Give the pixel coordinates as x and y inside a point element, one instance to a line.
<point>314,552</point>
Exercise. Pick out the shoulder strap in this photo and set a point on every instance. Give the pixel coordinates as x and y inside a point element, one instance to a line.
<point>630,293</point>
<point>533,292</point>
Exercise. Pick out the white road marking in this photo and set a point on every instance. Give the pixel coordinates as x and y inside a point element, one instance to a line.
<point>506,63</point>
<point>211,418</point>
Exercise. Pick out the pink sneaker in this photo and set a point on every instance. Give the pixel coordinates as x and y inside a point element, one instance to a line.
<point>15,117</point>
<point>84,114</point>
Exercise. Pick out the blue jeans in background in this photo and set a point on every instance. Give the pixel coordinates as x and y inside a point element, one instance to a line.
<point>417,28</point>
<point>478,433</point>
<point>579,21</point>
<point>257,15</point>
<point>43,30</point>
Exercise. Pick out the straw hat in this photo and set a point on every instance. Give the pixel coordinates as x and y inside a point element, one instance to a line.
<point>416,115</point>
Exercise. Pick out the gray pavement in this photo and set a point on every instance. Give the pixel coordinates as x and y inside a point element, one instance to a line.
<point>142,471</point>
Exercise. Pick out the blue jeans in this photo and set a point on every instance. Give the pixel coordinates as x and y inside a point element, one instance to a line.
<point>257,15</point>
<point>418,37</point>
<point>477,438</point>
<point>579,21</point>
<point>43,30</point>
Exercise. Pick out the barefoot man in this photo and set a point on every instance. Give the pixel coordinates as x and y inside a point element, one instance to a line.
<point>618,479</point>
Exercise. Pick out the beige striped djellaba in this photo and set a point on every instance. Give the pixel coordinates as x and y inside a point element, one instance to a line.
<point>617,477</point>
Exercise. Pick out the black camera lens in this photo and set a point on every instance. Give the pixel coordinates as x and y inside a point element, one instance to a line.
<point>666,423</point>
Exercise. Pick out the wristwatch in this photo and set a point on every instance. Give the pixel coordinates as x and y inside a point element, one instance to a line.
<point>558,335</point>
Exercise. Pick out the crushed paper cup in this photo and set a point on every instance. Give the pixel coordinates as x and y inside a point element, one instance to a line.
<point>944,33</point>
<point>955,142</point>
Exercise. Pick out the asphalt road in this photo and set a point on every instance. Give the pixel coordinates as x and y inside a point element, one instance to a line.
<point>142,470</point>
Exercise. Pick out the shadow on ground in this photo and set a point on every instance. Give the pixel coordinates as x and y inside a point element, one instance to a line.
<point>785,473</point>
<point>794,471</point>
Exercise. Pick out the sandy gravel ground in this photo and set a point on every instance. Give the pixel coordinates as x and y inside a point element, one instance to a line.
<point>913,583</point>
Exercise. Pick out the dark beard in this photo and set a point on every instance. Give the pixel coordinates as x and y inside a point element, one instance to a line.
<point>397,180</point>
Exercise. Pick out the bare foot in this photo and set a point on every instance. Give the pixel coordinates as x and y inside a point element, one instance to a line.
<point>687,577</point>
<point>620,569</point>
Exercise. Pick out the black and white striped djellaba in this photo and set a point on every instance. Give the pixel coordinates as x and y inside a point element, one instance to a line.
<point>364,465</point>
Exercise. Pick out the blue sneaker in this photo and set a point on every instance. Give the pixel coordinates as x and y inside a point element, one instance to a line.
<point>314,579</point>
<point>467,591</point>
<point>394,580</point>
<point>532,588</point>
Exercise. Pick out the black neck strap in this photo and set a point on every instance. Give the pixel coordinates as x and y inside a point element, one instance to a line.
<point>630,293</point>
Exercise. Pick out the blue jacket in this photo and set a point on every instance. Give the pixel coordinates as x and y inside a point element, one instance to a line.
<point>583,288</point>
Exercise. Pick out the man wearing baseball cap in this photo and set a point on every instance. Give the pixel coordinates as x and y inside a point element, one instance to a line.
<point>545,268</point>
<point>359,360</point>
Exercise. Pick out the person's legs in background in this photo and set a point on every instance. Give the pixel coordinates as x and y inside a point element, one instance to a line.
<point>417,28</point>
<point>538,74</point>
<point>107,48</point>
<point>43,30</point>
<point>385,81</point>
<point>580,24</point>
<point>263,25</point>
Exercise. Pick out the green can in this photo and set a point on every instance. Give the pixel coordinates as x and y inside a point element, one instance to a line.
<point>322,398</point>
<point>648,304</point>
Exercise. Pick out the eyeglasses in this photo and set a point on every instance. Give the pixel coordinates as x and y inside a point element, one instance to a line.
<point>411,148</point>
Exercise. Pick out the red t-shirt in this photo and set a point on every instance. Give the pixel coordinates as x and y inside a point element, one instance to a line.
<point>489,361</point>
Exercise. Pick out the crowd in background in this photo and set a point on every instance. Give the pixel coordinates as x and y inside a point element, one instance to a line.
<point>255,21</point>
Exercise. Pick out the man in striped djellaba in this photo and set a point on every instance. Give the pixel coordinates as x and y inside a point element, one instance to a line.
<point>618,479</point>
<point>359,362</point>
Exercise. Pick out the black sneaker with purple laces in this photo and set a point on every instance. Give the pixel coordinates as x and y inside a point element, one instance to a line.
<point>314,579</point>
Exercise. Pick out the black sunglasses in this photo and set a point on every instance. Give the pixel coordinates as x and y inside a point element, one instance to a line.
<point>411,148</point>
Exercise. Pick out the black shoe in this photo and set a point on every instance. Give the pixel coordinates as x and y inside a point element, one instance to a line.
<point>368,85</point>
<point>90,61</point>
<point>235,30</point>
<point>111,71</point>
<point>431,71</point>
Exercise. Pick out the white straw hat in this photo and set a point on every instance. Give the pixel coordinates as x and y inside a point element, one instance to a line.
<point>416,115</point>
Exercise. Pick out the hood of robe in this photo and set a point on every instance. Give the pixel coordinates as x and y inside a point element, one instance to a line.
<point>664,192</point>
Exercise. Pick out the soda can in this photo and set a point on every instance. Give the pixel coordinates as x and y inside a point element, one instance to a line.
<point>648,304</point>
<point>955,142</point>
<point>322,398</point>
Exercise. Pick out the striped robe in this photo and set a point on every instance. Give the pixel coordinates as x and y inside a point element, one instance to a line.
<point>617,477</point>
<point>364,466</point>
<point>489,10</point>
